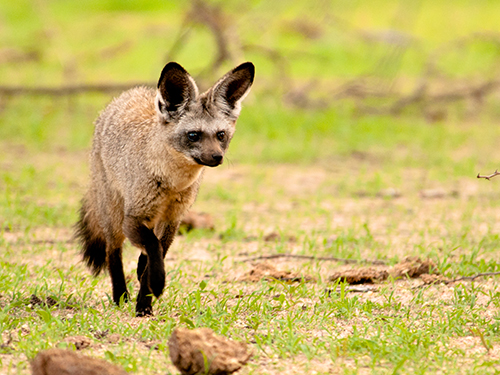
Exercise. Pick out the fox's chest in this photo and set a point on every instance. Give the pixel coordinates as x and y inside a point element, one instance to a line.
<point>180,180</point>
<point>171,205</point>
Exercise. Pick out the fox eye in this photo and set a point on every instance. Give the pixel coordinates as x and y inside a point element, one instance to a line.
<point>193,136</point>
<point>221,135</point>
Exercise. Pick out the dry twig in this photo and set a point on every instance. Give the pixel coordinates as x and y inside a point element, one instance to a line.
<point>470,278</point>
<point>218,23</point>
<point>68,90</point>
<point>463,278</point>
<point>496,173</point>
<point>312,257</point>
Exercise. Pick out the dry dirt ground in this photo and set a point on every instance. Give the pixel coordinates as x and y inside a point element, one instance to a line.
<point>310,212</point>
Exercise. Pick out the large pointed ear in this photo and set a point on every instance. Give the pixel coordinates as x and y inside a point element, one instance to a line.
<point>176,89</point>
<point>231,89</point>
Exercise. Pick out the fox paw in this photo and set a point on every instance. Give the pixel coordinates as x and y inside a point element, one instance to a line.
<point>142,311</point>
<point>143,306</point>
<point>121,297</point>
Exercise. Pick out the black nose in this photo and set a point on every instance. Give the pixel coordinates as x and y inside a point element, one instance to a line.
<point>217,158</point>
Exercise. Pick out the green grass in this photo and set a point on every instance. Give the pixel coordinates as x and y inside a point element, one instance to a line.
<point>400,328</point>
<point>282,321</point>
<point>316,176</point>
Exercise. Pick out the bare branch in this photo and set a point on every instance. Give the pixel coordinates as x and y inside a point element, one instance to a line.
<point>180,41</point>
<point>470,278</point>
<point>496,173</point>
<point>312,257</point>
<point>214,18</point>
<point>463,278</point>
<point>68,90</point>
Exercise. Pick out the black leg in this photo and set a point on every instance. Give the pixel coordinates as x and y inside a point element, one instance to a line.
<point>115,267</point>
<point>152,279</point>
<point>144,298</point>
<point>167,233</point>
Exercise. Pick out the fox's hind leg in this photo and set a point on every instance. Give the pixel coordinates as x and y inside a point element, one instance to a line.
<point>115,268</point>
<point>101,240</point>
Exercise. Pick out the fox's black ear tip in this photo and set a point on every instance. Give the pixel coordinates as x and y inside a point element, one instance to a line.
<point>171,68</point>
<point>173,65</point>
<point>248,66</point>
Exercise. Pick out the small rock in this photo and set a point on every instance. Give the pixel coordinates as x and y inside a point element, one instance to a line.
<point>67,362</point>
<point>80,342</point>
<point>271,237</point>
<point>114,338</point>
<point>51,301</point>
<point>389,193</point>
<point>275,237</point>
<point>155,344</point>
<point>196,220</point>
<point>362,288</point>
<point>190,350</point>
<point>438,194</point>
<point>101,334</point>
<point>35,300</point>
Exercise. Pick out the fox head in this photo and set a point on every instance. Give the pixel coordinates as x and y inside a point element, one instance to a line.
<point>200,127</point>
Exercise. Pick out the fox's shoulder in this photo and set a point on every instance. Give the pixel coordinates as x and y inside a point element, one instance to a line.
<point>133,106</point>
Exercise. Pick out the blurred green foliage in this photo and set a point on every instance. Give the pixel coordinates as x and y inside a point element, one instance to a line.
<point>305,53</point>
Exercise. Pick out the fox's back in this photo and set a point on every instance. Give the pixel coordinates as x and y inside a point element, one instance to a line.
<point>131,114</point>
<point>121,136</point>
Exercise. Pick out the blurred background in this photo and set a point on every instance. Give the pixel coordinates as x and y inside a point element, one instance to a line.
<point>389,85</point>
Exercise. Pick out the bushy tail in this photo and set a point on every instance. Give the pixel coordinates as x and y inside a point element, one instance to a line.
<point>91,238</point>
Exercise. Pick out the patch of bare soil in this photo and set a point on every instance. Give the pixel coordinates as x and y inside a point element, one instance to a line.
<point>266,271</point>
<point>67,362</point>
<point>201,351</point>
<point>38,236</point>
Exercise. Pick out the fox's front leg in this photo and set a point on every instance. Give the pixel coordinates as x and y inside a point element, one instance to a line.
<point>152,280</point>
<point>166,232</point>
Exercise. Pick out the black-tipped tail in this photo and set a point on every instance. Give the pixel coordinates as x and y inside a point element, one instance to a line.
<point>92,241</point>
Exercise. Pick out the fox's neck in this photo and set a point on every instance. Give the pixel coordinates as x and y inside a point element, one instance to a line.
<point>175,169</point>
<point>182,178</point>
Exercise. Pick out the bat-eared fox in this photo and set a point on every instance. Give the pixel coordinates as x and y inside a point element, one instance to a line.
<point>149,151</point>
